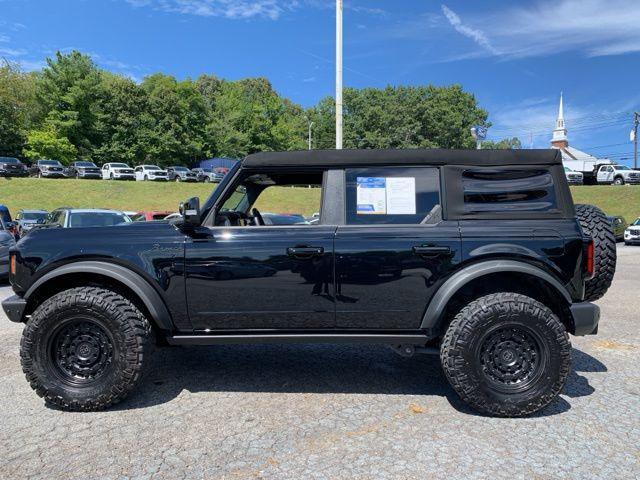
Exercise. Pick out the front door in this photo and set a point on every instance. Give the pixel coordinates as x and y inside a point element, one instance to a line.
<point>260,278</point>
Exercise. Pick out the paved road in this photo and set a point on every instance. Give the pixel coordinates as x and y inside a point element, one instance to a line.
<point>334,412</point>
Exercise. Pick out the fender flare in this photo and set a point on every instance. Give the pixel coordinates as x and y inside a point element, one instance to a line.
<point>141,287</point>
<point>460,279</point>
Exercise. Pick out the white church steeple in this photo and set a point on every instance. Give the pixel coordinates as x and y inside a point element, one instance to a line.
<point>559,139</point>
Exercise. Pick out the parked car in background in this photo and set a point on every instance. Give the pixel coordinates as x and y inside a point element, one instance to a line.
<point>201,173</point>
<point>181,174</point>
<point>283,219</point>
<point>619,225</point>
<point>7,240</point>
<point>47,169</point>
<point>12,167</point>
<point>83,217</point>
<point>209,175</point>
<point>573,177</point>
<point>617,175</point>
<point>9,224</point>
<point>145,173</point>
<point>27,219</point>
<point>632,233</point>
<point>117,171</point>
<point>149,216</point>
<point>83,169</point>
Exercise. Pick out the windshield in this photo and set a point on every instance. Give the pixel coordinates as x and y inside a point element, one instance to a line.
<point>119,165</point>
<point>621,167</point>
<point>637,222</point>
<point>9,160</point>
<point>181,169</point>
<point>97,219</point>
<point>567,169</point>
<point>151,167</point>
<point>49,162</point>
<point>85,164</point>
<point>33,215</point>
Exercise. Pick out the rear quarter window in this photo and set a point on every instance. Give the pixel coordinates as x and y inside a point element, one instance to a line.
<point>510,190</point>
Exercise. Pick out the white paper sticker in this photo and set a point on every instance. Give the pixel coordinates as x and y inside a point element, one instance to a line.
<point>401,195</point>
<point>371,196</point>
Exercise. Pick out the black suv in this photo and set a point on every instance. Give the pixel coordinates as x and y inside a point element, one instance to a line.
<point>479,257</point>
<point>12,167</point>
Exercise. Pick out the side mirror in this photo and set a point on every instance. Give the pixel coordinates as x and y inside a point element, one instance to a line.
<point>190,211</point>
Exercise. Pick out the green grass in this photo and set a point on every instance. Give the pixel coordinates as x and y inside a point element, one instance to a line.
<point>49,194</point>
<point>623,200</point>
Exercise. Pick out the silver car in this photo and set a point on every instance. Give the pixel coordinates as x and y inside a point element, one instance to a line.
<point>6,242</point>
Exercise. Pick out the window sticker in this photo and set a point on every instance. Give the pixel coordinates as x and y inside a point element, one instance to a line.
<point>386,195</point>
<point>371,196</point>
<point>401,196</point>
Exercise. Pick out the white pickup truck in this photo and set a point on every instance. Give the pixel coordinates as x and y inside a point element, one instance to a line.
<point>617,175</point>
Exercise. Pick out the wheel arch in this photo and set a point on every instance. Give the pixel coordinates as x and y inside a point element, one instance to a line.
<point>482,277</point>
<point>132,284</point>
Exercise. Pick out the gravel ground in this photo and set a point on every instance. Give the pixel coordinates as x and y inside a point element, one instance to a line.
<point>333,412</point>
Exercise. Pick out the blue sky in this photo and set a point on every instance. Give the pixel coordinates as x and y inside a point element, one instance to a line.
<point>515,57</point>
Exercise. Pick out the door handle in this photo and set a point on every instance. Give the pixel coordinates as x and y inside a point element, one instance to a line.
<point>304,252</point>
<point>431,251</point>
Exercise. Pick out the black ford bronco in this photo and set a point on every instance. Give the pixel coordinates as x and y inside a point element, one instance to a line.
<point>478,256</point>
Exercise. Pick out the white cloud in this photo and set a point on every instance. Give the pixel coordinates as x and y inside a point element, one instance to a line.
<point>592,27</point>
<point>246,9</point>
<point>12,52</point>
<point>474,34</point>
<point>232,9</point>
<point>4,38</point>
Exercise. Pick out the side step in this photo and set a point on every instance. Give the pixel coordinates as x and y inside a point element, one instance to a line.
<point>249,338</point>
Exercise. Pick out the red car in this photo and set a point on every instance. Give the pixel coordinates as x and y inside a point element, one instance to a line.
<point>149,216</point>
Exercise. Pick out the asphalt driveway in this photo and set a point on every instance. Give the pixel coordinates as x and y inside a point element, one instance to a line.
<point>297,411</point>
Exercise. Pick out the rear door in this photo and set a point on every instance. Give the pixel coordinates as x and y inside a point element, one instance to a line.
<point>394,249</point>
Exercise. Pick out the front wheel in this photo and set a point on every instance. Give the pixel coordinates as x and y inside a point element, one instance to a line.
<point>84,348</point>
<point>618,181</point>
<point>207,180</point>
<point>506,354</point>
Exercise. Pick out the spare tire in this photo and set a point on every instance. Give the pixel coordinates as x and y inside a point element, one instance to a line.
<point>595,224</point>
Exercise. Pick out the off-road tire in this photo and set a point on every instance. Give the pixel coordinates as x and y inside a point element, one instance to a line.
<point>595,224</point>
<point>463,354</point>
<point>124,325</point>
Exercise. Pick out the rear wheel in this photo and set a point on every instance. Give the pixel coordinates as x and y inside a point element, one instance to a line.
<point>84,348</point>
<point>506,354</point>
<point>595,224</point>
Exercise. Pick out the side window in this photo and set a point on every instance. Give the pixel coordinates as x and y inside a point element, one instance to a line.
<point>392,195</point>
<point>105,167</point>
<point>508,190</point>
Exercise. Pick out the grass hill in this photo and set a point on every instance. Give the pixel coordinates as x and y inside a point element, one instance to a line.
<point>49,194</point>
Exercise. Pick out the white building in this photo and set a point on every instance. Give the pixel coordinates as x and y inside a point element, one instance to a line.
<point>572,157</point>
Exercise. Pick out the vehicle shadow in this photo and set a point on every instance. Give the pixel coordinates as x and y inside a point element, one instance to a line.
<point>360,369</point>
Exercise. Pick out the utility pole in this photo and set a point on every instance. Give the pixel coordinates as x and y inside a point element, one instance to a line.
<point>338,74</point>
<point>310,125</point>
<point>634,137</point>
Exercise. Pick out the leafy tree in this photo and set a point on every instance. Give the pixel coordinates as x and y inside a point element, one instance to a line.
<point>504,144</point>
<point>67,92</point>
<point>122,121</point>
<point>180,119</point>
<point>49,143</point>
<point>401,117</point>
<point>17,106</point>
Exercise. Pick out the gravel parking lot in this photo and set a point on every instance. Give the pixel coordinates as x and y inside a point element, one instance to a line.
<point>333,412</point>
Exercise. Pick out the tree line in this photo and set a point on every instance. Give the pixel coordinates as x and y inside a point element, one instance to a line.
<point>72,109</point>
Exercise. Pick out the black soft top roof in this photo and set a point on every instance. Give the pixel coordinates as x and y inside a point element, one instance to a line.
<point>338,158</point>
